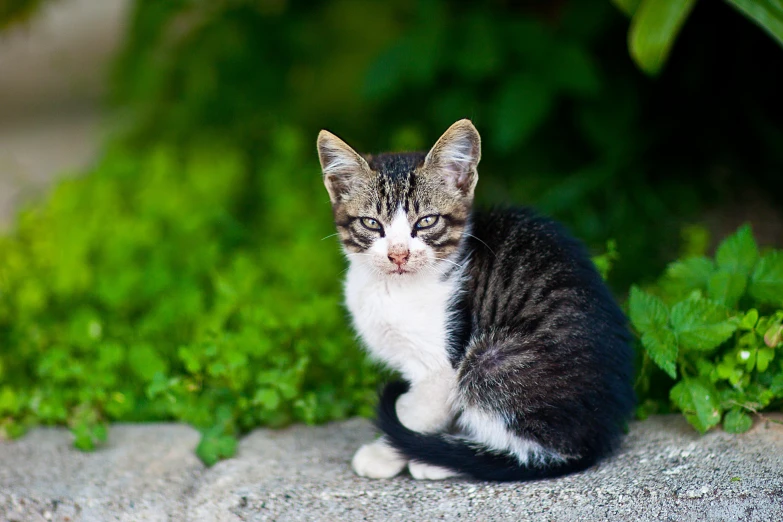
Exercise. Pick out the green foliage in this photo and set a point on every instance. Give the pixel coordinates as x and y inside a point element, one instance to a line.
<point>179,284</point>
<point>655,25</point>
<point>716,328</point>
<point>768,14</point>
<point>568,123</point>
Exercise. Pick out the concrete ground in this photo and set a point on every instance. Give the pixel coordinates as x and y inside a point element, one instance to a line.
<point>665,471</point>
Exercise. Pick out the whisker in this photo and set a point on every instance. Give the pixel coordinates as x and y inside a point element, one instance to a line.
<point>482,242</point>
<point>330,235</point>
<point>448,261</point>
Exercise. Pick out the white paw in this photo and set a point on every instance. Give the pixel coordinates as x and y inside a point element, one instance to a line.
<point>421,471</point>
<point>422,413</point>
<point>377,460</point>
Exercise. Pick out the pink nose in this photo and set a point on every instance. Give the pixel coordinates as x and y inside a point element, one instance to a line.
<point>399,257</point>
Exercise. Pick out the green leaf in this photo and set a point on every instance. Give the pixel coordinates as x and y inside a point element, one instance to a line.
<point>763,357</point>
<point>661,345</point>
<point>648,313</point>
<point>766,283</point>
<point>654,28</point>
<point>693,273</point>
<point>767,14</point>
<point>750,319</point>
<point>700,324</point>
<point>699,401</point>
<point>146,362</point>
<point>738,253</point>
<point>628,7</point>
<point>726,287</point>
<point>213,447</point>
<point>776,386</point>
<point>268,398</point>
<point>522,105</point>
<point>737,421</point>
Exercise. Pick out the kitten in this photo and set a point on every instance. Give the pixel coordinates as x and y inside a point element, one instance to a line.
<point>516,358</point>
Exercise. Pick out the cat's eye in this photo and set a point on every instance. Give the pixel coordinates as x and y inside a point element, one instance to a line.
<point>370,223</point>
<point>426,222</point>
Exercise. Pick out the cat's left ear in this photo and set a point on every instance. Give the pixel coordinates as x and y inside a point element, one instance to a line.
<point>455,156</point>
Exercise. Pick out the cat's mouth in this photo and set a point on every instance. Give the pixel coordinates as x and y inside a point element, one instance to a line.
<point>400,270</point>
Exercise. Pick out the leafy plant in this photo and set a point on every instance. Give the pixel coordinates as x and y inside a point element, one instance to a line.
<point>715,326</point>
<point>179,284</point>
<point>656,23</point>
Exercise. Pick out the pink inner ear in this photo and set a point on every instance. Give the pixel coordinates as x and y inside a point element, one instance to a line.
<point>456,161</point>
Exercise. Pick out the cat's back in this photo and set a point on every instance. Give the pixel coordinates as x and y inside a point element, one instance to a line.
<point>524,265</point>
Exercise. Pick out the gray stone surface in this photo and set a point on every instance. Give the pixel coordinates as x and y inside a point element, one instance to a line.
<point>665,471</point>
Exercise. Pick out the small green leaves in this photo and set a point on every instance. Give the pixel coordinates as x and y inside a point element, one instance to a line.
<point>214,447</point>
<point>725,359</point>
<point>647,311</point>
<point>736,257</point>
<point>654,27</point>
<point>146,362</point>
<point>701,324</point>
<point>661,344</point>
<point>737,421</point>
<point>726,287</point>
<point>763,357</point>
<point>698,400</point>
<point>749,321</point>
<point>738,253</point>
<point>766,283</point>
<point>650,317</point>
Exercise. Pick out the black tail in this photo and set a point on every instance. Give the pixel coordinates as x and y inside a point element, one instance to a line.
<point>458,454</point>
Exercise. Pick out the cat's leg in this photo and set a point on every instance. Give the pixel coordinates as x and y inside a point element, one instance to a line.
<point>378,460</point>
<point>427,408</point>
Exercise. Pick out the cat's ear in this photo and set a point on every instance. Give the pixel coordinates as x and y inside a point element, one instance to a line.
<point>455,156</point>
<point>343,167</point>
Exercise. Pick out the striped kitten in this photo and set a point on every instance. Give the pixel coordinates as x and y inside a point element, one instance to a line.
<point>515,357</point>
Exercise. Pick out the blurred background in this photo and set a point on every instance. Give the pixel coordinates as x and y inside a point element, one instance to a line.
<point>178,269</point>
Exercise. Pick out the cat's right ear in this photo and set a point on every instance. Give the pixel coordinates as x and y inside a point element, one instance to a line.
<point>343,167</point>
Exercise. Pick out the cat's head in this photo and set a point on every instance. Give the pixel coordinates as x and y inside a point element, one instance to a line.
<point>402,214</point>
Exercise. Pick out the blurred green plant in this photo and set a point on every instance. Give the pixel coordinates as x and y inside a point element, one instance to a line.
<point>569,124</point>
<point>715,328</point>
<point>179,285</point>
<point>655,25</point>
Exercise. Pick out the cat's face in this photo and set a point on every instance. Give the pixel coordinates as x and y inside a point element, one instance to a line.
<point>402,214</point>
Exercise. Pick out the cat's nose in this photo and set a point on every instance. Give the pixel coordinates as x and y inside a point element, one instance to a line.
<point>399,257</point>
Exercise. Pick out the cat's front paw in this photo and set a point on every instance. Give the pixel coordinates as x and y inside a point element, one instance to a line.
<point>421,471</point>
<point>377,460</point>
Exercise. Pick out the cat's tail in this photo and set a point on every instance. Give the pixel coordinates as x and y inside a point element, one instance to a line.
<point>461,455</point>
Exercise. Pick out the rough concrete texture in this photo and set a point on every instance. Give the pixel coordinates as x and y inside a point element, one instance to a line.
<point>148,472</point>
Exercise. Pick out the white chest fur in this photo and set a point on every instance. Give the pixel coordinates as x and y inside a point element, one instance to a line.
<point>403,321</point>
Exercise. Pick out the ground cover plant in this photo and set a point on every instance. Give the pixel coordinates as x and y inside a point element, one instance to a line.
<point>715,327</point>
